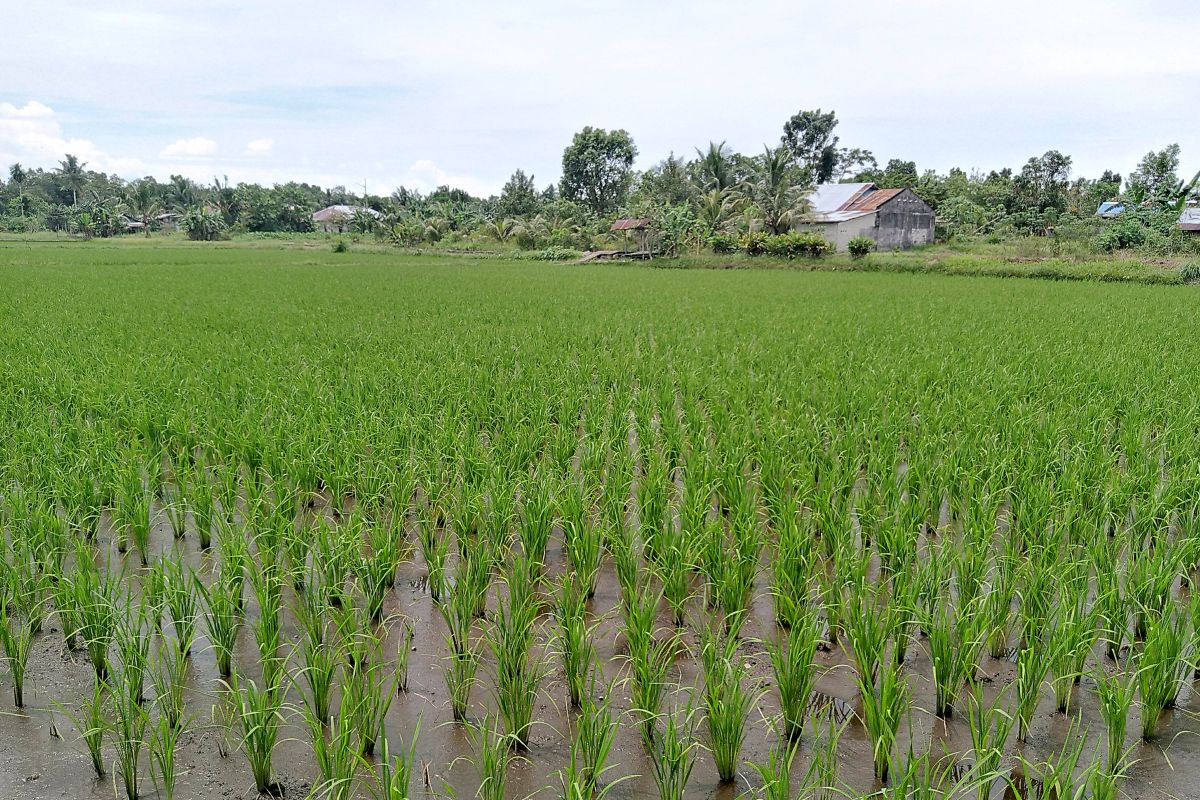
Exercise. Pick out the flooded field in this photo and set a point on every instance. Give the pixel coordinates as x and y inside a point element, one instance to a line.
<point>585,532</point>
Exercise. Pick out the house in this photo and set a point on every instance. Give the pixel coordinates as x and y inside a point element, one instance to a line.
<point>336,219</point>
<point>1110,210</point>
<point>892,218</point>
<point>1189,220</point>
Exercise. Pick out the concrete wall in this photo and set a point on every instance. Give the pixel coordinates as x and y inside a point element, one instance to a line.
<point>902,222</point>
<point>840,233</point>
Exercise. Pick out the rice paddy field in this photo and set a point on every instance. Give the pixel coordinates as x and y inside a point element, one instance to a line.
<point>353,525</point>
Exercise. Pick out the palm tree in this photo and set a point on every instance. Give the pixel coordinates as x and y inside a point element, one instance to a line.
<point>141,199</point>
<point>17,176</point>
<point>502,229</point>
<point>776,191</point>
<point>715,167</point>
<point>715,209</point>
<point>71,174</point>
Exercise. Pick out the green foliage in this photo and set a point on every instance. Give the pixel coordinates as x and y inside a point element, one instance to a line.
<point>203,225</point>
<point>860,246</point>
<point>597,168</point>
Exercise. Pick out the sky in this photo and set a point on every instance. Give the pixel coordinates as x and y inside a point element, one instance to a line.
<point>397,92</point>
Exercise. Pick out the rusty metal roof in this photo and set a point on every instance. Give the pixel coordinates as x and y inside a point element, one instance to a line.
<point>630,224</point>
<point>871,201</point>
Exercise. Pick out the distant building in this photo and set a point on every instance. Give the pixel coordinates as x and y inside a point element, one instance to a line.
<point>892,218</point>
<point>1110,210</point>
<point>1189,220</point>
<point>336,219</point>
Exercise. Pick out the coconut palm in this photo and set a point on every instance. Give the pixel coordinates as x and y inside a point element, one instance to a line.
<point>17,176</point>
<point>716,208</point>
<point>72,176</point>
<point>715,167</point>
<point>142,200</point>
<point>776,191</point>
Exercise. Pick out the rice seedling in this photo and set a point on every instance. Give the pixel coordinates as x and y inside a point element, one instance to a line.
<point>200,501</point>
<point>673,754</point>
<point>222,619</point>
<point>91,720</point>
<point>595,734</point>
<point>510,638</point>
<point>493,754</point>
<point>954,642</point>
<point>128,734</point>
<point>133,649</point>
<point>885,705</point>
<point>16,638</point>
<point>990,726</point>
<point>649,660</point>
<point>132,512</point>
<point>169,678</point>
<point>574,637</point>
<point>1061,775</point>
<point>727,702</point>
<point>367,692</point>
<point>1033,665</point>
<point>179,592</point>
<point>792,663</point>
<point>1076,635</point>
<point>94,598</point>
<point>268,627</point>
<point>1115,691</point>
<point>396,771</point>
<point>403,649</point>
<point>163,742</point>
<point>868,626</point>
<point>177,508</point>
<point>582,539</point>
<point>337,754</point>
<point>259,716</point>
<point>1161,668</point>
<point>776,772</point>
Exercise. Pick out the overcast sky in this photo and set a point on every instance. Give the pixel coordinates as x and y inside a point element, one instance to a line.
<point>422,93</point>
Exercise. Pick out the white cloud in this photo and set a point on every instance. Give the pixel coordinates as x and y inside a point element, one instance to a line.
<point>260,147</point>
<point>196,147</point>
<point>33,134</point>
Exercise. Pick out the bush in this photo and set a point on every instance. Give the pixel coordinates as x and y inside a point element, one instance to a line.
<point>794,245</point>
<point>753,243</point>
<point>723,243</point>
<point>859,246</point>
<point>203,225</point>
<point>552,254</point>
<point>1189,271</point>
<point>341,247</point>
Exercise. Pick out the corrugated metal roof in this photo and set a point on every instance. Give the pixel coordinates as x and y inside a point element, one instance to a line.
<point>339,211</point>
<point>830,197</point>
<point>1189,220</point>
<point>871,200</point>
<point>630,224</point>
<point>840,202</point>
<point>1110,209</point>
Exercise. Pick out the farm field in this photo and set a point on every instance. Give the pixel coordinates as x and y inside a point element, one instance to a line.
<point>277,518</point>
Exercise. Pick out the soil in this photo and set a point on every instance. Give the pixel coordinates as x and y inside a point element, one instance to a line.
<point>41,756</point>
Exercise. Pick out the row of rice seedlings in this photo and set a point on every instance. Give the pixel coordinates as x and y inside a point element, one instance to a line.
<point>435,550</point>
<point>955,638</point>
<point>886,703</point>
<point>16,639</point>
<point>132,513</point>
<point>222,619</point>
<point>1115,691</point>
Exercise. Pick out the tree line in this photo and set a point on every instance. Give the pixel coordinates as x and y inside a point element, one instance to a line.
<point>710,197</point>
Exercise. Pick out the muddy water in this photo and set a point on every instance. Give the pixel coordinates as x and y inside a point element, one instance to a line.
<point>41,757</point>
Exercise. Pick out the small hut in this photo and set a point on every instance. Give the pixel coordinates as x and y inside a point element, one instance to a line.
<point>640,228</point>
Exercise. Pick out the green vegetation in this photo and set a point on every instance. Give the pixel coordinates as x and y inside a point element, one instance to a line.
<point>683,503</point>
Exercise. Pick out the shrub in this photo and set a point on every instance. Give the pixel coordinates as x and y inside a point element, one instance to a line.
<point>860,246</point>
<point>203,225</point>
<point>1189,271</point>
<point>794,244</point>
<point>723,243</point>
<point>552,254</point>
<point>341,247</point>
<point>753,243</point>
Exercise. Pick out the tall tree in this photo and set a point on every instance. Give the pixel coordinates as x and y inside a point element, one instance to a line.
<point>715,168</point>
<point>597,168</point>
<point>809,139</point>
<point>143,201</point>
<point>519,197</point>
<point>72,176</point>
<point>18,176</point>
